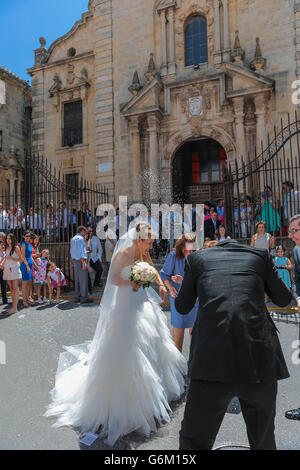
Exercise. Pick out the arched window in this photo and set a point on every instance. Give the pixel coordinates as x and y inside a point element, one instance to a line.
<point>196,41</point>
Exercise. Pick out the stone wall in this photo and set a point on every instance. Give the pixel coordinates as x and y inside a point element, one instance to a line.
<point>115,39</point>
<point>15,128</point>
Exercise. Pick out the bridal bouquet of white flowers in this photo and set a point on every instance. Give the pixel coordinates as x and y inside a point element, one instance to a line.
<point>143,273</point>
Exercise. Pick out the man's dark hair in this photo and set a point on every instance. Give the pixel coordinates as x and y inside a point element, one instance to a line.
<point>81,228</point>
<point>289,184</point>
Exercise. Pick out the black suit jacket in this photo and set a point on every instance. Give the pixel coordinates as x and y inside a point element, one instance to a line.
<point>209,228</point>
<point>234,339</point>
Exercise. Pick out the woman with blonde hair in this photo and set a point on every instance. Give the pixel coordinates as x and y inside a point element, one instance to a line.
<point>172,274</point>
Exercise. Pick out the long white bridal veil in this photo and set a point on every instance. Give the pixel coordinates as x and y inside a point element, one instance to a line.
<point>123,256</point>
<point>78,368</point>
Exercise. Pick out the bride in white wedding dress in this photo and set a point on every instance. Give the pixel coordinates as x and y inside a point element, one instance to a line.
<point>125,379</point>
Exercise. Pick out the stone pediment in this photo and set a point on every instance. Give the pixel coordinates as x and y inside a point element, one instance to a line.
<point>163,4</point>
<point>9,161</point>
<point>245,81</point>
<point>148,99</point>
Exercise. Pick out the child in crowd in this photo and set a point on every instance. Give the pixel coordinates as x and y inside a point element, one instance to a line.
<point>283,265</point>
<point>55,280</point>
<point>40,278</point>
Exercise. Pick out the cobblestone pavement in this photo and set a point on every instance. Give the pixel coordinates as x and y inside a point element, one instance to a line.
<point>34,338</point>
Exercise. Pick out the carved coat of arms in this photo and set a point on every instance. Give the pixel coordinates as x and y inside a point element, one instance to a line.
<point>196,106</point>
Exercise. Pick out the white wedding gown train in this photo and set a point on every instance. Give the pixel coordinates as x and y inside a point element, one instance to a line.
<point>125,380</point>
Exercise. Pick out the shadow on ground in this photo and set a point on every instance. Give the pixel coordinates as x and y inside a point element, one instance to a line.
<point>134,440</point>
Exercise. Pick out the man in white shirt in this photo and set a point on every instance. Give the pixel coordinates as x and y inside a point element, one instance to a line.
<point>95,252</point>
<point>3,218</point>
<point>79,257</point>
<point>34,221</point>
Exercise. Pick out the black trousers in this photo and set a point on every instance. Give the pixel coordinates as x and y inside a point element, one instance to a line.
<point>3,285</point>
<point>206,406</point>
<point>99,270</point>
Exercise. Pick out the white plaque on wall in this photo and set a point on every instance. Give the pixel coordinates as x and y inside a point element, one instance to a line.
<point>195,106</point>
<point>105,167</point>
<point>2,92</point>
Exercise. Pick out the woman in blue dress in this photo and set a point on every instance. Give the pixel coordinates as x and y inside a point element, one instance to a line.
<point>26,268</point>
<point>172,275</point>
<point>283,265</point>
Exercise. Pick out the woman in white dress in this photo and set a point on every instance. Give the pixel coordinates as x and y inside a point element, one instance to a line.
<point>11,270</point>
<point>125,379</point>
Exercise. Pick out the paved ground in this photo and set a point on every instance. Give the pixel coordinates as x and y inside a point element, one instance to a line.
<point>34,339</point>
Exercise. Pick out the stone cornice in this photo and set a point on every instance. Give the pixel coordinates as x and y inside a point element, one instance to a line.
<point>142,111</point>
<point>70,33</point>
<point>200,79</point>
<point>166,4</point>
<point>66,60</point>
<point>249,74</point>
<point>6,74</point>
<point>247,91</point>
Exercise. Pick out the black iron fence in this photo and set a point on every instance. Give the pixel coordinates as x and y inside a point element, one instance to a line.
<point>266,187</point>
<point>52,206</point>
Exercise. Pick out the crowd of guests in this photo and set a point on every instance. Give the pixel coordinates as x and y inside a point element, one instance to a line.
<point>215,230</point>
<point>261,220</point>
<point>26,263</point>
<point>53,224</point>
<point>267,208</point>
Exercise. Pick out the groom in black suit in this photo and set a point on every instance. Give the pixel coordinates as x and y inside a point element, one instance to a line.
<point>235,351</point>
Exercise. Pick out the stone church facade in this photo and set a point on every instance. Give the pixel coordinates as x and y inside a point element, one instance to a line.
<point>153,97</point>
<point>15,130</point>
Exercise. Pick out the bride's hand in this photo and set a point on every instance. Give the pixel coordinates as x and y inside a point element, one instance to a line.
<point>135,286</point>
<point>163,293</point>
<point>173,292</point>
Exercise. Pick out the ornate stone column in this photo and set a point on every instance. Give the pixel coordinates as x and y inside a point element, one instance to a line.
<point>239,118</point>
<point>164,65</point>
<point>12,191</point>
<point>136,158</point>
<point>226,53</point>
<point>172,60</point>
<point>217,36</point>
<point>19,187</point>
<point>154,161</point>
<point>261,111</point>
